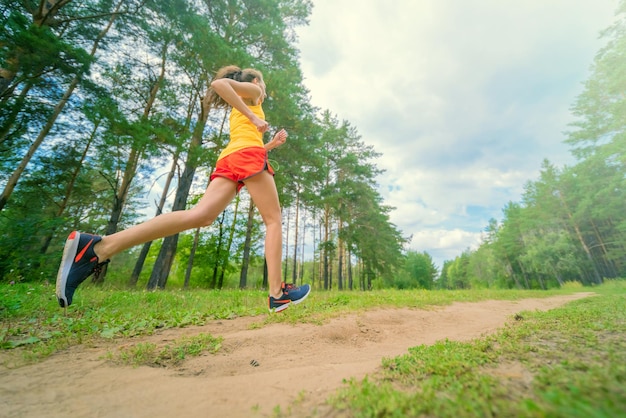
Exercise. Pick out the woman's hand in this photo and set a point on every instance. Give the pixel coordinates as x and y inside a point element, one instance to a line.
<point>279,139</point>
<point>260,124</point>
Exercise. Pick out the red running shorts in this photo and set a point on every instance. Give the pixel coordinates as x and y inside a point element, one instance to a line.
<point>243,164</point>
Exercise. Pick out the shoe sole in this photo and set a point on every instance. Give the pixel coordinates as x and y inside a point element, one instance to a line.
<point>281,307</point>
<point>69,252</point>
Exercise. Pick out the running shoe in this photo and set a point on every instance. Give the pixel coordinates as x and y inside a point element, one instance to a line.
<point>291,294</point>
<point>79,262</point>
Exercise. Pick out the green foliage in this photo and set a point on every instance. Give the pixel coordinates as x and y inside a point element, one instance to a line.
<point>418,271</point>
<point>344,194</point>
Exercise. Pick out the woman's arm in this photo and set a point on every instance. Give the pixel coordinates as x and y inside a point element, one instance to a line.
<point>233,92</point>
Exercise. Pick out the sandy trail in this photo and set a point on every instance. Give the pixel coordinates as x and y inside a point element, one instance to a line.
<point>304,363</point>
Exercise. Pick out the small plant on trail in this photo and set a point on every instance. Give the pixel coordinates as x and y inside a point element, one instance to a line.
<point>148,354</point>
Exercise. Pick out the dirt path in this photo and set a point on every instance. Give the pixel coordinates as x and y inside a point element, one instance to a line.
<point>304,362</point>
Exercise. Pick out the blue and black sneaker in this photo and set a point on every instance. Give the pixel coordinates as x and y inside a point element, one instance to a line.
<point>291,294</point>
<point>79,262</point>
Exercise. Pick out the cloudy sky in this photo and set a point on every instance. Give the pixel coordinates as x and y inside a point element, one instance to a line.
<point>464,99</point>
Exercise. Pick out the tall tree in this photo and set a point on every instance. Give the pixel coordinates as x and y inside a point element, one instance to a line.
<point>59,53</point>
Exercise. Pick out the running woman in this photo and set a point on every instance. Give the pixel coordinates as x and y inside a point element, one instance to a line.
<point>243,162</point>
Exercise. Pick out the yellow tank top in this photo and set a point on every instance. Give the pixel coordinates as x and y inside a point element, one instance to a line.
<point>243,134</point>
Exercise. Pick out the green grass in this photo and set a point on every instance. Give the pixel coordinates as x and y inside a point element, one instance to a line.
<point>148,354</point>
<point>32,326</point>
<point>567,362</point>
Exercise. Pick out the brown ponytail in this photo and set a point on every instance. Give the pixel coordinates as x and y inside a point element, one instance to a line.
<point>235,73</point>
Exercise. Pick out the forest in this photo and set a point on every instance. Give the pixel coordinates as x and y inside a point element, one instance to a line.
<point>103,122</point>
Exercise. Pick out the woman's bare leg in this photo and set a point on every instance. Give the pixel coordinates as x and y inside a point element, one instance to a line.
<point>263,191</point>
<point>217,196</point>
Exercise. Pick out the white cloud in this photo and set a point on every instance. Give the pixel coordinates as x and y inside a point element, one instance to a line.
<point>463,99</point>
<point>444,244</point>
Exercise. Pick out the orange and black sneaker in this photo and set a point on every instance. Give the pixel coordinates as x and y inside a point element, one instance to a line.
<point>291,294</point>
<point>79,262</point>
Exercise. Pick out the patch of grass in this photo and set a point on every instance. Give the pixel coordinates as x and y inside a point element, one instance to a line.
<point>32,326</point>
<point>567,362</point>
<point>148,354</point>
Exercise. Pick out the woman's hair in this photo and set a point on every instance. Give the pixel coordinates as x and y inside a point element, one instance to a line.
<point>235,73</point>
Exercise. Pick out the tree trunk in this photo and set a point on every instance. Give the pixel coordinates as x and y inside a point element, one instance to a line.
<point>143,254</point>
<point>509,268</point>
<point>229,244</point>
<point>285,266</point>
<point>313,267</point>
<point>163,264</point>
<point>330,272</point>
<point>325,247</point>
<point>302,248</point>
<point>218,253</point>
<point>294,273</point>
<point>362,275</point>
<point>132,282</point>
<point>158,278</point>
<point>192,254</point>
<point>220,281</point>
<point>265,275</point>
<point>349,262</point>
<point>369,274</point>
<point>320,255</point>
<point>340,256</point>
<point>340,266</point>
